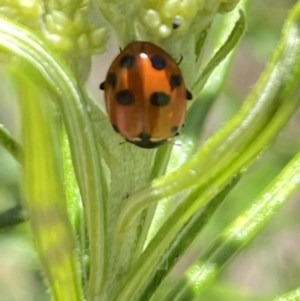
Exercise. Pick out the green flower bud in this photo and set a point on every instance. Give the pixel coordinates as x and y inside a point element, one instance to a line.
<point>164,31</point>
<point>151,18</point>
<point>63,23</point>
<point>27,12</point>
<point>98,37</point>
<point>99,50</point>
<point>84,44</point>
<point>93,42</point>
<point>79,20</point>
<point>189,8</point>
<point>58,22</point>
<point>164,16</point>
<point>170,8</point>
<point>30,8</point>
<point>60,43</point>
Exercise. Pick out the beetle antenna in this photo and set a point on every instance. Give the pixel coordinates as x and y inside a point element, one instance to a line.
<point>180,60</point>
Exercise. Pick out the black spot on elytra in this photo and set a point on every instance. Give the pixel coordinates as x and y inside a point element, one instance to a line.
<point>158,62</point>
<point>189,95</point>
<point>127,61</point>
<point>115,127</point>
<point>125,97</point>
<point>111,79</point>
<point>160,99</point>
<point>174,130</point>
<point>175,81</point>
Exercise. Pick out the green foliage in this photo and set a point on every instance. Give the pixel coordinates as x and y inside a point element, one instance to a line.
<point>114,222</point>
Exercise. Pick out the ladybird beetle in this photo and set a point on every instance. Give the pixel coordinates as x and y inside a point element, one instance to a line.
<point>145,95</point>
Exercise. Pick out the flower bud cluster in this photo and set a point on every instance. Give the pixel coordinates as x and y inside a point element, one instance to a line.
<point>65,24</point>
<point>162,17</point>
<point>27,12</point>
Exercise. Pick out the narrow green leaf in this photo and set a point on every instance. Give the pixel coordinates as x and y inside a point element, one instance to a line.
<point>12,217</point>
<point>245,227</point>
<point>46,203</point>
<point>22,43</point>
<point>161,161</point>
<point>213,79</point>
<point>293,295</point>
<point>180,244</point>
<point>220,55</point>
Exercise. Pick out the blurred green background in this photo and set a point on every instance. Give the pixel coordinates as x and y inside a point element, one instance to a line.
<point>268,266</point>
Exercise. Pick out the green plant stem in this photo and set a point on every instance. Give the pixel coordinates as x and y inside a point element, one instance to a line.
<point>273,101</point>
<point>24,44</point>
<point>46,204</point>
<point>180,244</point>
<point>9,143</point>
<point>162,158</point>
<point>245,227</point>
